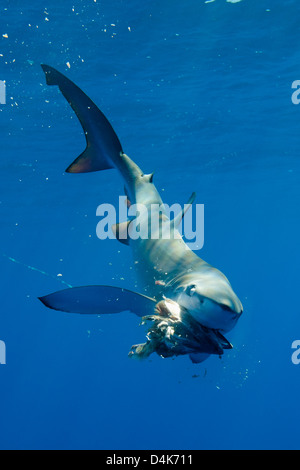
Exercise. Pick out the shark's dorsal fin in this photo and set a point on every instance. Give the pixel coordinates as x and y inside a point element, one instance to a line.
<point>176,221</point>
<point>149,177</point>
<point>120,231</point>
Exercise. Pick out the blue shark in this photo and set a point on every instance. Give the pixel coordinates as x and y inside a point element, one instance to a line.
<point>187,304</point>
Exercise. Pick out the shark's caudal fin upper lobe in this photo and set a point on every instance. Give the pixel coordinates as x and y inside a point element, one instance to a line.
<point>103,144</point>
<point>99,300</point>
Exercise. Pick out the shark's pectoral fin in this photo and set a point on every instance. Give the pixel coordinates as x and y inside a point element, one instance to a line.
<point>120,231</point>
<point>102,141</point>
<point>196,358</point>
<point>99,300</point>
<point>220,342</point>
<point>176,221</point>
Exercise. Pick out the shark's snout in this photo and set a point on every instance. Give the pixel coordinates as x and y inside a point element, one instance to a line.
<point>232,305</point>
<point>213,305</point>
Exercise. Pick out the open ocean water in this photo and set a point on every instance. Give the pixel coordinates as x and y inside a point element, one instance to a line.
<point>199,92</point>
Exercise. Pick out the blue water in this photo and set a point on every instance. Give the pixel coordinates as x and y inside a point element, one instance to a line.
<point>200,93</point>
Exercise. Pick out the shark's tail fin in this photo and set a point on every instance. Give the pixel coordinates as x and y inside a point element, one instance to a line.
<point>103,145</point>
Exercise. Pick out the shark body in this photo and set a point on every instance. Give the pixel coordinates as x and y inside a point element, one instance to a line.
<point>188,303</point>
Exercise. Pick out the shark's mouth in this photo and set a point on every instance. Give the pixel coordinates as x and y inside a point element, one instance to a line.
<point>174,335</point>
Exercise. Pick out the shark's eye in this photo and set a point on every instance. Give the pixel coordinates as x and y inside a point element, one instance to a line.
<point>190,290</point>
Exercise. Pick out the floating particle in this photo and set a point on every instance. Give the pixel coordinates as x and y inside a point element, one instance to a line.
<point>5,35</point>
<point>68,65</point>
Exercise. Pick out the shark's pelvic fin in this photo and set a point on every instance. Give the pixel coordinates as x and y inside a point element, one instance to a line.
<point>102,142</point>
<point>120,231</point>
<point>99,300</point>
